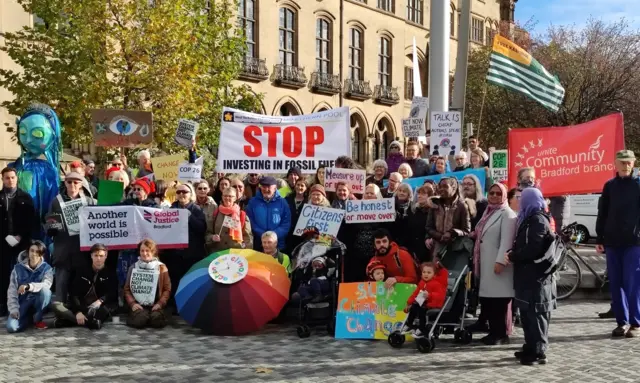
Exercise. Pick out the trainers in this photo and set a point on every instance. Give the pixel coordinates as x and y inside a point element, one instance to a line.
<point>41,325</point>
<point>406,329</point>
<point>632,332</point>
<point>493,341</point>
<point>608,315</point>
<point>530,360</point>
<point>619,331</point>
<point>417,334</point>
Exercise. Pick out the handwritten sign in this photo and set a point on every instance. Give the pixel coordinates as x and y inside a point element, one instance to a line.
<point>415,126</point>
<point>121,128</point>
<point>186,132</point>
<point>190,172</point>
<point>446,133</point>
<point>370,210</point>
<point>166,167</point>
<point>368,310</point>
<point>143,284</point>
<point>498,165</point>
<point>327,220</point>
<point>355,179</point>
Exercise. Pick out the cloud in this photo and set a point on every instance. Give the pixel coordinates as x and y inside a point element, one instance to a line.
<point>570,12</point>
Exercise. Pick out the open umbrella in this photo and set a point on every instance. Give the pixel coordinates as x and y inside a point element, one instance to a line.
<point>233,292</point>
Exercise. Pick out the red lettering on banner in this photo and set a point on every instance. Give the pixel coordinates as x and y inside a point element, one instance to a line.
<point>272,139</point>
<point>254,148</point>
<point>315,136</point>
<point>292,138</point>
<point>292,143</point>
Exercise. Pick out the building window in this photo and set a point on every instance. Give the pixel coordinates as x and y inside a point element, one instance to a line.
<point>477,30</point>
<point>414,11</point>
<point>408,83</point>
<point>384,144</point>
<point>356,45</point>
<point>247,23</point>
<point>376,148</point>
<point>490,36</point>
<point>323,46</point>
<point>355,145</point>
<point>452,27</point>
<point>386,5</point>
<point>384,61</point>
<point>287,37</point>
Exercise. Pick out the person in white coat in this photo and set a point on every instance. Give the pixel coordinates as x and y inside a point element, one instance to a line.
<point>494,237</point>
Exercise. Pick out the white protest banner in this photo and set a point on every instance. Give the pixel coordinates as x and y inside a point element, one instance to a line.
<point>70,213</point>
<point>230,222</point>
<point>327,220</point>
<point>254,143</point>
<point>186,132</point>
<point>446,133</point>
<point>498,165</point>
<point>370,210</point>
<point>123,227</point>
<point>190,172</point>
<point>144,283</point>
<point>354,178</point>
<point>415,125</point>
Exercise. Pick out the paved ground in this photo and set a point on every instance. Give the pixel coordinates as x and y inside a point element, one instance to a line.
<point>581,351</point>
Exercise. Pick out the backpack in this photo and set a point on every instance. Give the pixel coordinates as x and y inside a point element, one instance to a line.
<point>396,258</point>
<point>554,256</point>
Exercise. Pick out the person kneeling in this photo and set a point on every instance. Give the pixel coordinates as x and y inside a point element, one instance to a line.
<point>148,288</point>
<point>29,289</point>
<point>430,294</point>
<point>94,294</point>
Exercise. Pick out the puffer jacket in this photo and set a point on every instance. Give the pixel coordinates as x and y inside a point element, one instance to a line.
<point>273,215</point>
<point>39,278</point>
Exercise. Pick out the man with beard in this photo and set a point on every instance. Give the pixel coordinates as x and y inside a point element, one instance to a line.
<point>474,199</point>
<point>400,265</point>
<point>419,165</point>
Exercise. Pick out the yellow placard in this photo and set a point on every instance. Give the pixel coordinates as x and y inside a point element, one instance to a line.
<point>166,167</point>
<point>509,49</point>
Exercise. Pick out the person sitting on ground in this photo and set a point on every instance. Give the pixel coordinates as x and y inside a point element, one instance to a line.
<point>376,271</point>
<point>317,286</point>
<point>429,294</point>
<point>148,309</point>
<point>29,290</point>
<point>94,294</point>
<point>270,245</point>
<point>399,264</point>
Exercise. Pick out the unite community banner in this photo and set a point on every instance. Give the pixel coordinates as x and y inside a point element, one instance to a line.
<point>257,143</point>
<point>123,227</point>
<point>576,159</point>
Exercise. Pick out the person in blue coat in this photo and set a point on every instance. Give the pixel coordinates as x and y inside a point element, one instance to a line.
<point>268,211</point>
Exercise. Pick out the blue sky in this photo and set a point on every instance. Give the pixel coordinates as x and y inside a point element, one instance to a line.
<point>568,12</point>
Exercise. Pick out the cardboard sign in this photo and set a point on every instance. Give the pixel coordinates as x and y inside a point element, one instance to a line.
<point>415,125</point>
<point>576,159</point>
<point>190,172</point>
<point>367,310</point>
<point>122,128</point>
<point>254,143</point>
<point>71,215</point>
<point>370,210</point>
<point>446,133</point>
<point>143,284</point>
<point>186,133</point>
<point>327,220</point>
<point>166,167</point>
<point>123,227</point>
<point>498,165</point>
<point>109,192</point>
<point>354,178</point>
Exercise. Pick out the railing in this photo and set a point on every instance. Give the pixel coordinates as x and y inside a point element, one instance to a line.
<point>254,68</point>
<point>325,83</point>
<point>288,75</point>
<point>385,94</point>
<point>357,89</point>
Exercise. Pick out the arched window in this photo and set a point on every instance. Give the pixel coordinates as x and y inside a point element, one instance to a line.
<point>376,147</point>
<point>288,42</point>
<point>323,46</point>
<point>247,13</point>
<point>288,110</point>
<point>356,54</point>
<point>355,145</point>
<point>384,143</point>
<point>384,61</point>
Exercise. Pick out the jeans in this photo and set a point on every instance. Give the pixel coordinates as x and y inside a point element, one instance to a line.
<point>37,301</point>
<point>623,268</point>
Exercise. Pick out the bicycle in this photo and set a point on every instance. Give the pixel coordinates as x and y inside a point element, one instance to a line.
<point>569,274</point>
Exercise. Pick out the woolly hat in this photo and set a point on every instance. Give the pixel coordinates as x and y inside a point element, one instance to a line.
<point>146,184</point>
<point>395,143</point>
<point>319,259</point>
<point>319,188</point>
<point>295,171</point>
<point>110,170</point>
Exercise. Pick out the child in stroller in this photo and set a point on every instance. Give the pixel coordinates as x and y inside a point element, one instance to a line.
<point>318,286</point>
<point>430,294</point>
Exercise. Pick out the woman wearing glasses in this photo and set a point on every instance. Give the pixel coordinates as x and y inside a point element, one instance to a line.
<point>206,203</point>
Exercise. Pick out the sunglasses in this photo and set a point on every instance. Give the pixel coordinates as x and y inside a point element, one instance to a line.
<point>496,194</point>
<point>138,189</point>
<point>182,191</point>
<point>237,187</point>
<point>205,189</point>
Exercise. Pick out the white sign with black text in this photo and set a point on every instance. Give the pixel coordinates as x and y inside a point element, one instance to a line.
<point>446,133</point>
<point>415,125</point>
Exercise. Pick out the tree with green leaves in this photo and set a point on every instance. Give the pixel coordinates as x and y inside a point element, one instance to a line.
<point>175,58</point>
<point>598,65</point>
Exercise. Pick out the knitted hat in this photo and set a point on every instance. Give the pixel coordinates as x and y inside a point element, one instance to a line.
<point>319,188</point>
<point>110,170</point>
<point>395,143</point>
<point>319,259</point>
<point>146,184</point>
<point>374,265</point>
<point>295,171</point>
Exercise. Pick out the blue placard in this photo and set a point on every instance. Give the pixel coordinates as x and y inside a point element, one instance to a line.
<point>419,181</point>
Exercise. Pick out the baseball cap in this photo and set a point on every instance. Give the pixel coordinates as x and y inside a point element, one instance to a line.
<point>625,155</point>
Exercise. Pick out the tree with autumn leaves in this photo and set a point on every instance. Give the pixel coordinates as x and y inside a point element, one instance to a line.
<point>175,58</point>
<point>598,65</point>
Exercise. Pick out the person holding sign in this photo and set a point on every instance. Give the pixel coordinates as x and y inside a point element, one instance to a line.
<point>268,211</point>
<point>400,266</point>
<point>230,228</point>
<point>148,289</point>
<point>66,243</point>
<point>94,294</point>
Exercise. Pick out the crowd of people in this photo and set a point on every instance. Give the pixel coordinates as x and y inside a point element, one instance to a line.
<point>511,229</point>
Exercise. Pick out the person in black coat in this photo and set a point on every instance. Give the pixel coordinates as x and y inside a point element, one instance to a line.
<point>535,292</point>
<point>418,223</point>
<point>179,261</point>
<point>17,219</point>
<point>400,229</point>
<point>296,200</point>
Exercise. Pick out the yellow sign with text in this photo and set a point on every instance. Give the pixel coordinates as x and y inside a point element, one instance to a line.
<point>509,49</point>
<point>166,167</point>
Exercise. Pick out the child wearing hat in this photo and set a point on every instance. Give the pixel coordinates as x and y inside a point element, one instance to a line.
<point>376,271</point>
<point>317,285</point>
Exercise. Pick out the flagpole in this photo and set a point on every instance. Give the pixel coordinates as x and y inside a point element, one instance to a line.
<point>484,96</point>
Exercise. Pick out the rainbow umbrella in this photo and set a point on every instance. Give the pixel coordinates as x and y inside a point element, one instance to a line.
<point>233,292</point>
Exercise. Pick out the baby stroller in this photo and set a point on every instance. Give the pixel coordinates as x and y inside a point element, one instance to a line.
<point>456,259</point>
<point>322,311</point>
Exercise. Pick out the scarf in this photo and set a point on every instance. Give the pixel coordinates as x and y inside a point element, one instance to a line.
<point>488,212</point>
<point>154,264</point>
<point>531,202</point>
<point>234,212</point>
